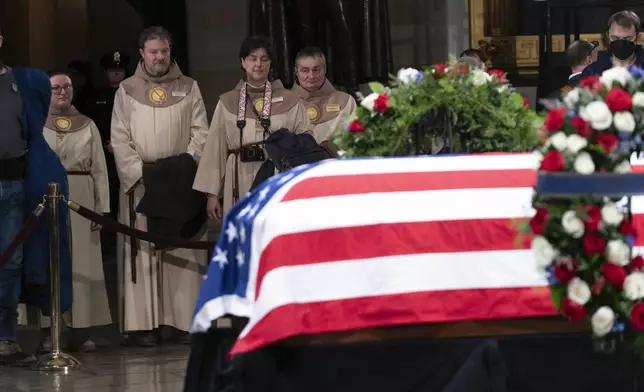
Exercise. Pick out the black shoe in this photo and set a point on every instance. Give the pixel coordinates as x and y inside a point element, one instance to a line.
<point>11,355</point>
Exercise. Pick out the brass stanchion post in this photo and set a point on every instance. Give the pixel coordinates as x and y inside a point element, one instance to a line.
<point>56,360</point>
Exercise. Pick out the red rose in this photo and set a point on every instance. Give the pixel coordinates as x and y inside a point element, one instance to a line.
<point>593,217</point>
<point>498,73</point>
<point>565,272</point>
<point>594,244</point>
<point>618,100</point>
<point>575,312</point>
<point>462,68</point>
<point>555,119</point>
<point>440,70</point>
<point>589,81</point>
<point>637,264</point>
<point>607,140</point>
<point>582,127</point>
<point>627,228</point>
<point>637,317</point>
<point>614,273</point>
<point>356,126</point>
<point>526,105</point>
<point>598,286</point>
<point>553,162</point>
<point>382,103</point>
<point>539,220</point>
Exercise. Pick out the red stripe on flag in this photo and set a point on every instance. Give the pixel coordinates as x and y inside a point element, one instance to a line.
<point>399,309</point>
<point>355,184</point>
<point>363,242</point>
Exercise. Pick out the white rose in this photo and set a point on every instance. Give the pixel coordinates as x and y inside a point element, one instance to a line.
<point>618,252</point>
<point>559,141</point>
<point>576,143</point>
<point>602,321</point>
<point>634,286</point>
<point>623,168</point>
<point>408,76</point>
<point>638,99</point>
<point>544,252</point>
<point>616,74</point>
<point>369,101</point>
<point>537,157</point>
<point>572,224</point>
<point>624,121</point>
<point>480,78</point>
<point>597,114</point>
<point>578,291</point>
<point>584,163</point>
<point>611,215</point>
<point>502,89</point>
<point>571,98</point>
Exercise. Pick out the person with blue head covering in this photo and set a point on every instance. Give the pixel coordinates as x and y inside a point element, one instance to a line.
<point>27,165</point>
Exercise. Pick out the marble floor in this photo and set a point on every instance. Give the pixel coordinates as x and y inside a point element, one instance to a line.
<point>116,369</point>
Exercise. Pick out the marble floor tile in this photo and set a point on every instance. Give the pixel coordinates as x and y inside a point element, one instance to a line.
<point>160,369</point>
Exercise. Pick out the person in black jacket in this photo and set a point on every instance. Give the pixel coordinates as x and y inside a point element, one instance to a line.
<point>620,38</point>
<point>579,55</point>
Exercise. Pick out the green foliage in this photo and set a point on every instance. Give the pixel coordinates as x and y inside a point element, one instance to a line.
<point>482,107</point>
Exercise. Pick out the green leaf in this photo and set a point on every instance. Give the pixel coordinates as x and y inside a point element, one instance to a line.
<point>377,87</point>
<point>557,294</point>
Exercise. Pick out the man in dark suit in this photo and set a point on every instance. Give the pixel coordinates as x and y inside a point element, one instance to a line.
<point>579,55</point>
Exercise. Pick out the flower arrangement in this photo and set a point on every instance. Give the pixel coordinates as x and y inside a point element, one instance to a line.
<point>481,106</point>
<point>584,244</point>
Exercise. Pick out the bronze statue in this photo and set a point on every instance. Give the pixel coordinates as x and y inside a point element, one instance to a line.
<point>353,33</point>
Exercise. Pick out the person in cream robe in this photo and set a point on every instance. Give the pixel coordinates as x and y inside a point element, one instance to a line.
<point>327,108</point>
<point>158,113</point>
<point>221,173</point>
<point>77,141</point>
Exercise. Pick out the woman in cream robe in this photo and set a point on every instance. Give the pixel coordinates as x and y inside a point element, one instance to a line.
<point>220,160</point>
<point>76,140</point>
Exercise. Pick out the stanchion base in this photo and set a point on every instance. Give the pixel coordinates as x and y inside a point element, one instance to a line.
<point>58,362</point>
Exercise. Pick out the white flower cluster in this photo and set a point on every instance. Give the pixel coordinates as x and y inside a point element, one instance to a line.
<point>617,252</point>
<point>591,107</point>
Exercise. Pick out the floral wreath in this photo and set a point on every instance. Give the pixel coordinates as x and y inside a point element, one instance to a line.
<point>482,106</point>
<point>584,244</point>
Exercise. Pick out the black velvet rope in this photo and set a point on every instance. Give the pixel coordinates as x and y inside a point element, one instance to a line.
<point>22,235</point>
<point>159,242</point>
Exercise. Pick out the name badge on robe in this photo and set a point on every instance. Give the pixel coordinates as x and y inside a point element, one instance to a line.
<point>277,99</point>
<point>14,87</point>
<point>178,93</point>
<point>332,107</point>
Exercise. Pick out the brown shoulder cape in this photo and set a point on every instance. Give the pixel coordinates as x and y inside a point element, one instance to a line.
<point>283,99</point>
<point>323,104</point>
<point>70,121</point>
<point>160,92</point>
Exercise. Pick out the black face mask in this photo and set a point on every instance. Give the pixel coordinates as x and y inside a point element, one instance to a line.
<point>622,49</point>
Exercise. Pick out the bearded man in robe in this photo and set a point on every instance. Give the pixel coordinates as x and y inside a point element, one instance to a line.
<point>326,107</point>
<point>233,155</point>
<point>158,113</point>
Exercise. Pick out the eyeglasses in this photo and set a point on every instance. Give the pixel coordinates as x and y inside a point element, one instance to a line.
<point>59,89</point>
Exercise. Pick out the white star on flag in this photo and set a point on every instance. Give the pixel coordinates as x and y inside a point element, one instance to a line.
<point>221,257</point>
<point>284,179</point>
<point>263,193</point>
<point>240,257</point>
<point>242,234</point>
<point>244,211</point>
<point>253,211</point>
<point>231,232</point>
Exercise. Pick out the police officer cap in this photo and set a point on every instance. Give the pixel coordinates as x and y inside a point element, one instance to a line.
<point>115,60</point>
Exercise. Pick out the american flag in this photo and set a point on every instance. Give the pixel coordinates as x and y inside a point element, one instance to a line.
<point>361,243</point>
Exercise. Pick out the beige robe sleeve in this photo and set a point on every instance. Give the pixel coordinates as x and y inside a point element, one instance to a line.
<point>128,162</point>
<point>199,124</point>
<point>99,172</point>
<point>212,167</point>
<point>301,123</point>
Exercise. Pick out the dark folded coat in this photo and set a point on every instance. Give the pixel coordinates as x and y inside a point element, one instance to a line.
<point>172,207</point>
